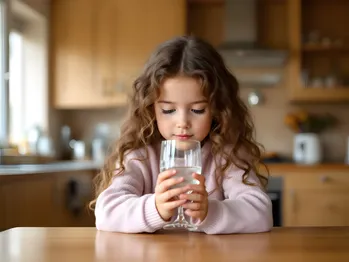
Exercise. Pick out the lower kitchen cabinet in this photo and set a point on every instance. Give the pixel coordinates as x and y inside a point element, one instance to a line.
<point>316,199</point>
<point>46,200</point>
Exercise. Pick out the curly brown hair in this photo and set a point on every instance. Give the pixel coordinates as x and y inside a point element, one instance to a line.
<point>231,122</point>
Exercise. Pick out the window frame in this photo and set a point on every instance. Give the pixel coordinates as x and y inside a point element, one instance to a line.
<point>4,72</point>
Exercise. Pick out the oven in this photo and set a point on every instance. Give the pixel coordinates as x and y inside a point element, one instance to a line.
<point>274,191</point>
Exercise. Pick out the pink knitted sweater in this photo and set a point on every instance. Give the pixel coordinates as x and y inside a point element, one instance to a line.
<point>128,204</point>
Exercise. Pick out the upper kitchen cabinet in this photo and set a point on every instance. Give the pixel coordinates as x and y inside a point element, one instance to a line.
<point>73,47</point>
<point>319,42</point>
<point>99,47</point>
<point>139,27</point>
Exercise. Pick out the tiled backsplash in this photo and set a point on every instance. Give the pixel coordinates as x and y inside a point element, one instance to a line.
<point>276,137</point>
<point>268,118</point>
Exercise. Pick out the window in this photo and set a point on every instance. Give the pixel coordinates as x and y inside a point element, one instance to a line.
<point>16,95</point>
<point>3,72</point>
<point>27,104</point>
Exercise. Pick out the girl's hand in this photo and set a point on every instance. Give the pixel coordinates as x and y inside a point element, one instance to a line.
<point>165,201</point>
<point>199,207</point>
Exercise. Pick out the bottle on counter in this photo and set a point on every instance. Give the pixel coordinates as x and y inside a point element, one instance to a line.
<point>66,150</point>
<point>79,150</point>
<point>45,146</point>
<point>98,150</point>
<point>101,141</point>
<point>33,137</point>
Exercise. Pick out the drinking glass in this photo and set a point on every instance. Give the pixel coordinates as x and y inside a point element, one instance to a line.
<point>185,157</point>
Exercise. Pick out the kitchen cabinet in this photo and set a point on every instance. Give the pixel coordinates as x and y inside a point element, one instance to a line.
<point>318,64</point>
<point>72,54</point>
<point>46,199</point>
<point>28,202</point>
<point>207,19</point>
<point>73,192</point>
<point>99,47</point>
<point>2,208</point>
<point>313,31</point>
<point>316,199</point>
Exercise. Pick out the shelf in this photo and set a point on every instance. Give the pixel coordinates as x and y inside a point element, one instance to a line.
<point>221,2</point>
<point>337,94</point>
<point>310,23</point>
<point>317,48</point>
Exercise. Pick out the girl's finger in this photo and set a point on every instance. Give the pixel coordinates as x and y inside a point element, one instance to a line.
<point>193,214</point>
<point>174,204</point>
<point>192,197</point>
<point>167,184</point>
<point>200,178</point>
<point>198,189</point>
<point>169,194</point>
<point>192,206</point>
<point>165,175</point>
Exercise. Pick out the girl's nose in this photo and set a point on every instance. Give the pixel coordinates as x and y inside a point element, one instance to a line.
<point>183,121</point>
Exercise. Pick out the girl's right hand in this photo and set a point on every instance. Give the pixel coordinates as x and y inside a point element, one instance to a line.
<point>164,196</point>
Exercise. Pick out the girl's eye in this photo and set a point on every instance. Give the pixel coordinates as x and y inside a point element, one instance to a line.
<point>198,111</point>
<point>168,111</point>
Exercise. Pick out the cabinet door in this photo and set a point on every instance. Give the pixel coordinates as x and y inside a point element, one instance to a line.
<point>72,52</point>
<point>105,59</point>
<point>317,35</point>
<point>140,26</point>
<point>316,200</point>
<point>47,200</point>
<point>81,54</point>
<point>2,208</point>
<point>317,208</point>
<point>73,191</point>
<point>28,202</point>
<point>98,49</point>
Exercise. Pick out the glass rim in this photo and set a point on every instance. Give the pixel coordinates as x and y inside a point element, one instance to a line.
<point>171,140</point>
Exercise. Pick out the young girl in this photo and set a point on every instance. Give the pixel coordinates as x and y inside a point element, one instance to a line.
<point>184,92</point>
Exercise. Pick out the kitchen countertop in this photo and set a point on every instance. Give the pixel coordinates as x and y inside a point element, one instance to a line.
<point>275,168</point>
<point>289,168</point>
<point>48,168</point>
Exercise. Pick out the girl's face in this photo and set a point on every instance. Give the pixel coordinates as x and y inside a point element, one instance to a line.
<point>182,112</point>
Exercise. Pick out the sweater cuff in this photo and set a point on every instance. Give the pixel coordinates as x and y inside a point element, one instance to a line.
<point>211,222</point>
<point>152,216</point>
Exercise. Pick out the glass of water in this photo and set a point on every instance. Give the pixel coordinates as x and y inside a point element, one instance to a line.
<point>185,157</point>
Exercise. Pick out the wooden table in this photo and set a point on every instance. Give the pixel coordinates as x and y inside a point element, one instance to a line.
<point>88,244</point>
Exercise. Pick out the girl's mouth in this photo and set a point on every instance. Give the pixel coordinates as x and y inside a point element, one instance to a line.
<point>183,137</point>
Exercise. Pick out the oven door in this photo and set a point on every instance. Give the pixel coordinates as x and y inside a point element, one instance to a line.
<point>274,191</point>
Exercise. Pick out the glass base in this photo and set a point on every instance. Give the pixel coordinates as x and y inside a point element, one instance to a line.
<point>181,225</point>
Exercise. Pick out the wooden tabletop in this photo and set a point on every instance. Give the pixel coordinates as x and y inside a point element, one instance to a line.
<point>88,244</point>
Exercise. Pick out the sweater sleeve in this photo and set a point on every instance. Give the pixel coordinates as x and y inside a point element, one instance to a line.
<point>246,209</point>
<point>123,207</point>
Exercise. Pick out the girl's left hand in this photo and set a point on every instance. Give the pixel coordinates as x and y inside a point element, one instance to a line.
<point>199,206</point>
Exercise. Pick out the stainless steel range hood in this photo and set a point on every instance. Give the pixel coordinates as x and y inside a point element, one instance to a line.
<point>240,47</point>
